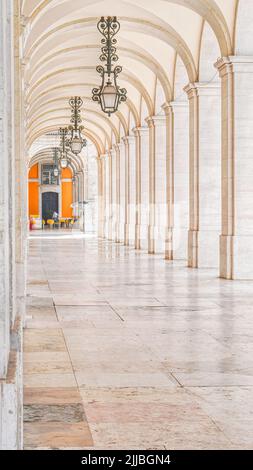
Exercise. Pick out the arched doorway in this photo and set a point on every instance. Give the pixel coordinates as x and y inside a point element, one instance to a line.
<point>50,204</point>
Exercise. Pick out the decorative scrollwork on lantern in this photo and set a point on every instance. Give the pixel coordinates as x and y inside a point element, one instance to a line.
<point>76,142</point>
<point>109,94</point>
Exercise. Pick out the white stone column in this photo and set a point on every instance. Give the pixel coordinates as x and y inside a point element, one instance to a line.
<point>81,199</point>
<point>236,241</point>
<point>121,191</point>
<point>142,187</point>
<point>209,174</point>
<point>13,228</point>
<point>181,179</point>
<point>103,159</point>
<point>169,232</point>
<point>107,194</point>
<point>127,195</point>
<point>110,193</point>
<point>193,97</point>
<point>5,319</point>
<point>100,165</point>
<point>114,184</point>
<point>157,184</point>
<point>130,190</point>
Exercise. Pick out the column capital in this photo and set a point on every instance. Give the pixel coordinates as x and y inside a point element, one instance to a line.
<point>119,146</point>
<point>191,90</point>
<point>230,64</point>
<point>140,131</point>
<point>154,121</point>
<point>128,139</point>
<point>24,20</point>
<point>168,108</point>
<point>208,88</point>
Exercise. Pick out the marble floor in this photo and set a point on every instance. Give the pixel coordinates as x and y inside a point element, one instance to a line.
<point>123,350</point>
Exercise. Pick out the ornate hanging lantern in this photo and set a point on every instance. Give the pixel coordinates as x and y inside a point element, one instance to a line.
<point>56,167</point>
<point>76,141</point>
<point>64,159</point>
<point>109,95</point>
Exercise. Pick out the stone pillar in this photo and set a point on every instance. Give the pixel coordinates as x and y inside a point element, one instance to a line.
<point>236,241</point>
<point>209,174</point>
<point>127,195</point>
<point>74,195</point>
<point>180,111</point>
<point>81,199</point>
<point>13,229</point>
<point>142,187</point>
<point>103,201</point>
<point>157,184</point>
<point>169,115</point>
<point>193,97</point>
<point>130,207</point>
<point>110,193</point>
<point>100,196</point>
<point>121,191</point>
<point>115,191</point>
<point>107,194</point>
<point>5,319</point>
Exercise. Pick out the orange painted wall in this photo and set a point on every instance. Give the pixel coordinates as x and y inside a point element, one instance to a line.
<point>67,192</point>
<point>67,198</point>
<point>66,173</point>
<point>33,198</point>
<point>34,171</point>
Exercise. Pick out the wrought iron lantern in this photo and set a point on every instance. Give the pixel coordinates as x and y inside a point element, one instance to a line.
<point>109,95</point>
<point>64,160</point>
<point>56,167</point>
<point>76,142</point>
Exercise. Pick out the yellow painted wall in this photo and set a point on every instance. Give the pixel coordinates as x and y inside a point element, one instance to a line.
<point>67,198</point>
<point>33,198</point>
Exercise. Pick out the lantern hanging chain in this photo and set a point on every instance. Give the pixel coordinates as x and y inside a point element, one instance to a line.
<point>63,133</point>
<point>109,28</point>
<point>76,104</point>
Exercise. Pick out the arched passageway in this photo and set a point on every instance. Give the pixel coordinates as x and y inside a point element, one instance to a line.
<point>155,220</point>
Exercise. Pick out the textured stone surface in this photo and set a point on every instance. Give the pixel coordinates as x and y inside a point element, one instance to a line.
<point>73,413</point>
<point>162,359</point>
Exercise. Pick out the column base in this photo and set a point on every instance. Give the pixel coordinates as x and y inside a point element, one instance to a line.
<point>236,257</point>
<point>151,239</point>
<point>126,234</point>
<point>137,242</point>
<point>141,237</point>
<point>193,248</point>
<point>122,233</point>
<point>203,249</point>
<point>131,234</point>
<point>117,233</point>
<point>156,239</point>
<point>169,255</point>
<point>11,396</point>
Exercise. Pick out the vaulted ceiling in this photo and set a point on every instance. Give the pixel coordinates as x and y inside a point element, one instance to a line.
<point>61,49</point>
